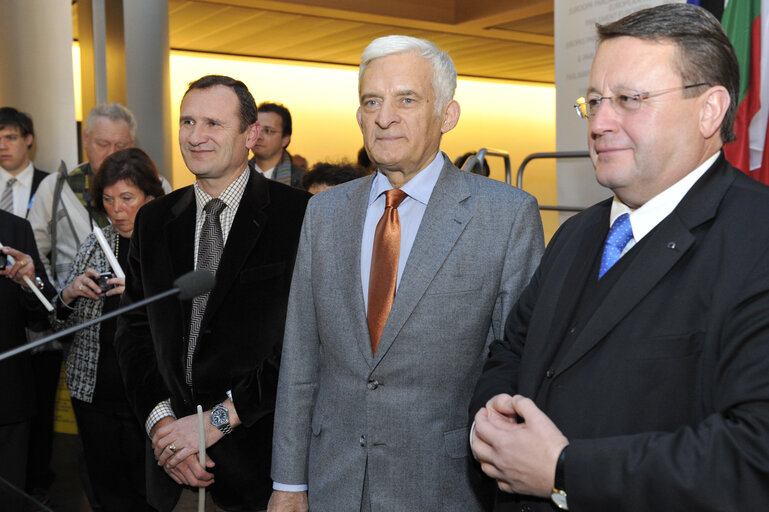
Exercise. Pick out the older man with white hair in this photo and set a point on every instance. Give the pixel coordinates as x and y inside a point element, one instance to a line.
<point>109,128</point>
<point>393,305</point>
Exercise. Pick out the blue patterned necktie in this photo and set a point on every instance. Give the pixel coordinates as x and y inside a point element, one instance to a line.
<point>210,250</point>
<point>619,235</point>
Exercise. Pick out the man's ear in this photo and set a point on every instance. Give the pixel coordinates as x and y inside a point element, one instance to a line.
<point>357,116</point>
<point>714,105</point>
<point>252,133</point>
<point>450,116</point>
<point>285,141</point>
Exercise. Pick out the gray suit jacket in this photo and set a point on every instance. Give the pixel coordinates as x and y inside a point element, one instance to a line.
<point>399,416</point>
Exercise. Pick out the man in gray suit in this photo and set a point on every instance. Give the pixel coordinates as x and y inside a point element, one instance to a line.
<point>372,414</point>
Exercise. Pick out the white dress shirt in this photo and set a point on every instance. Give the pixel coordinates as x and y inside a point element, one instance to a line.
<point>21,189</point>
<point>654,211</point>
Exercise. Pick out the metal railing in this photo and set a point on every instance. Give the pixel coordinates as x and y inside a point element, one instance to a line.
<point>556,154</point>
<point>475,162</point>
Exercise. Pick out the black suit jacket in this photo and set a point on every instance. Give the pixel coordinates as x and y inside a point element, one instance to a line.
<point>19,310</point>
<point>240,337</point>
<point>663,391</point>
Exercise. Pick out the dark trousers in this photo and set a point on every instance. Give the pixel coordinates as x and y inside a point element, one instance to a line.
<point>14,439</point>
<point>46,366</point>
<point>113,446</point>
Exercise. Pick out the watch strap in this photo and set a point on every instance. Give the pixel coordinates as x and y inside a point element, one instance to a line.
<point>558,495</point>
<point>225,428</point>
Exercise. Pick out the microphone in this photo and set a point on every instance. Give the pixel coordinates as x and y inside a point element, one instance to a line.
<point>187,286</point>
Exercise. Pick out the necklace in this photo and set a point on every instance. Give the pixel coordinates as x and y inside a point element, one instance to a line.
<point>117,245</point>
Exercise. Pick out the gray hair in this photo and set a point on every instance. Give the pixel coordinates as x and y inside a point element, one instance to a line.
<point>114,112</point>
<point>444,78</point>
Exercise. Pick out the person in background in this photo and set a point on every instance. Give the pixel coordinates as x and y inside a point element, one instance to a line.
<point>108,128</point>
<point>300,162</point>
<point>19,178</point>
<point>271,158</point>
<point>113,441</point>
<point>324,175</point>
<point>364,162</point>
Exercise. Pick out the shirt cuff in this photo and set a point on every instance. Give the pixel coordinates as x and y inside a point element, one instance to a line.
<point>277,486</point>
<point>162,410</point>
<point>472,430</point>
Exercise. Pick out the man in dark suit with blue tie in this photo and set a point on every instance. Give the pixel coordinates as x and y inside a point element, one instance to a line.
<point>634,370</point>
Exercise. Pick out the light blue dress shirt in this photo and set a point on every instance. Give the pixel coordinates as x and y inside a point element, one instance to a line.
<point>411,210</point>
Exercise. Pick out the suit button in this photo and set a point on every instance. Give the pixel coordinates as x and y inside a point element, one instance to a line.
<point>372,385</point>
<point>526,508</point>
<point>363,441</point>
<point>549,374</point>
<point>572,330</point>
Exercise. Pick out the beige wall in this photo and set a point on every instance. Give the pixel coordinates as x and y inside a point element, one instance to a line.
<point>518,118</point>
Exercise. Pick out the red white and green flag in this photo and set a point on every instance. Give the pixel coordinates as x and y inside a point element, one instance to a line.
<point>746,22</point>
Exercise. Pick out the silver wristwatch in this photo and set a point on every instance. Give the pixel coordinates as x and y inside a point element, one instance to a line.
<point>220,418</point>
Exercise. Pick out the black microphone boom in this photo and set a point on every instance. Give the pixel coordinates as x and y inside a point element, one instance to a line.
<point>187,286</point>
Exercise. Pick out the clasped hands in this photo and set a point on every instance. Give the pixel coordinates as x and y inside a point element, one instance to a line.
<point>517,445</point>
<point>182,462</point>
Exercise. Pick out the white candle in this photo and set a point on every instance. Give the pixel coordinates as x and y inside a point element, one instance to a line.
<point>116,268</point>
<point>201,458</point>
<point>32,286</point>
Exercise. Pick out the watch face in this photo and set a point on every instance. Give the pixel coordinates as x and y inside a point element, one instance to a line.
<point>219,416</point>
<point>559,498</point>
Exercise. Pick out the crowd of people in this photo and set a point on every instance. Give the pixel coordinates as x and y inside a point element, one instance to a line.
<point>402,340</point>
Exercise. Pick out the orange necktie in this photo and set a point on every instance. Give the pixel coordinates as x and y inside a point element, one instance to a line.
<point>384,266</point>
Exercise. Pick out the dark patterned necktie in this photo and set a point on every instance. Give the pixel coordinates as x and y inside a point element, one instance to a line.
<point>6,202</point>
<point>209,252</point>
<point>384,266</point>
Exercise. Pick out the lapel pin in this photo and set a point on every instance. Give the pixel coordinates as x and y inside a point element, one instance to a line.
<point>671,245</point>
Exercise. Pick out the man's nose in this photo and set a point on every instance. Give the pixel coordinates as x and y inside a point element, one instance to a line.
<point>386,115</point>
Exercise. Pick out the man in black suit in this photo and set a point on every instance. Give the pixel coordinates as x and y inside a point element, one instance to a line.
<point>19,180</point>
<point>635,376</point>
<point>223,352</point>
<point>20,308</point>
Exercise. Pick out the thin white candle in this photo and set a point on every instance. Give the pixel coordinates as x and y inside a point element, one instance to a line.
<point>201,457</point>
<point>116,268</point>
<point>32,286</point>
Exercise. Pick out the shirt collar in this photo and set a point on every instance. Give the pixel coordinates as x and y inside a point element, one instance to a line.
<point>651,213</point>
<point>24,177</point>
<point>231,195</point>
<point>419,188</point>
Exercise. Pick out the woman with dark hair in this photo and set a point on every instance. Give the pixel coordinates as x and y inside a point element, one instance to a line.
<point>113,441</point>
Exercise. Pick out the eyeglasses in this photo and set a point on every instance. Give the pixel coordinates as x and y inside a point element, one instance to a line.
<point>623,103</point>
<point>269,131</point>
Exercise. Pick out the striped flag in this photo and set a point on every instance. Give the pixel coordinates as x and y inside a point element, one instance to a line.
<point>746,22</point>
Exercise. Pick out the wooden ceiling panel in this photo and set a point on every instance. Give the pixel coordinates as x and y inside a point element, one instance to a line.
<point>501,39</point>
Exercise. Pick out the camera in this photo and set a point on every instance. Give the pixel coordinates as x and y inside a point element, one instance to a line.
<point>102,281</point>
